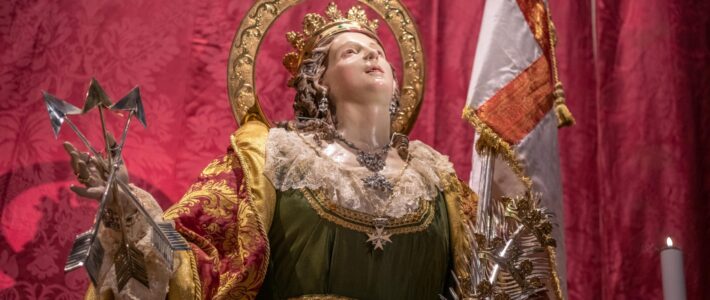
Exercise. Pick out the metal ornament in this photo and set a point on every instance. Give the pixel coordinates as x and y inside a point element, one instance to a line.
<point>378,182</point>
<point>132,102</point>
<point>58,110</point>
<point>130,263</point>
<point>95,96</point>
<point>379,238</point>
<point>323,105</point>
<point>375,162</point>
<point>87,250</point>
<point>510,240</point>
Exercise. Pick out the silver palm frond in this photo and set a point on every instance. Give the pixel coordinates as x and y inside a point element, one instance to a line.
<point>512,262</point>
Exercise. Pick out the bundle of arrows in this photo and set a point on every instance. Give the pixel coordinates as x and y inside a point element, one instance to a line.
<point>87,251</point>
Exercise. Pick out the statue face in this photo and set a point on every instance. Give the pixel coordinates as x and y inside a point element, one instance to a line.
<point>358,69</point>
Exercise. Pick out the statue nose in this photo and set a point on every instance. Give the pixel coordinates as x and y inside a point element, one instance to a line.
<point>371,54</point>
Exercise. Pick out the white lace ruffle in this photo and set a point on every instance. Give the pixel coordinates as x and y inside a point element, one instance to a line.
<point>293,164</point>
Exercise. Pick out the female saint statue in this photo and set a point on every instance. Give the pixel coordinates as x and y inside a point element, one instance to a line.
<point>331,205</point>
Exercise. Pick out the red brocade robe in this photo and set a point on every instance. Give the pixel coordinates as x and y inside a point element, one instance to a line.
<point>226,215</point>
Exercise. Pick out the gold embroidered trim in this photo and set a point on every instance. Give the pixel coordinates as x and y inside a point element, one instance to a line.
<point>182,290</point>
<point>461,205</point>
<point>214,194</point>
<point>491,140</point>
<point>195,275</point>
<point>552,255</point>
<point>321,297</point>
<point>249,180</point>
<point>362,222</point>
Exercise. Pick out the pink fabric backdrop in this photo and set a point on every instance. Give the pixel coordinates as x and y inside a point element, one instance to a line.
<point>635,167</point>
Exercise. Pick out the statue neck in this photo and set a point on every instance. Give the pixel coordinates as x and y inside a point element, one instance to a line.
<point>367,125</point>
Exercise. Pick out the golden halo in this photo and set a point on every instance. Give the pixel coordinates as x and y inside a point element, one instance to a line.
<point>241,73</point>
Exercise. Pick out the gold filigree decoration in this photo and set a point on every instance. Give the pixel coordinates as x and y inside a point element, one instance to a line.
<point>224,164</point>
<point>262,14</point>
<point>211,194</point>
<point>519,253</point>
<point>362,222</point>
<point>489,140</point>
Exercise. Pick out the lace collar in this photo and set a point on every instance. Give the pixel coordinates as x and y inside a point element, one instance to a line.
<point>293,164</point>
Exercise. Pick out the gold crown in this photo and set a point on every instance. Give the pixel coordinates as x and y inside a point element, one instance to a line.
<point>317,27</point>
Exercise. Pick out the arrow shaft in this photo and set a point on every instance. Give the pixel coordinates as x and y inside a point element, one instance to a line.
<point>81,136</point>
<point>102,203</point>
<point>105,133</point>
<point>124,134</point>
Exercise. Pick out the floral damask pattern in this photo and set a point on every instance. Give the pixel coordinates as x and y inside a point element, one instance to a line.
<point>32,268</point>
<point>644,121</point>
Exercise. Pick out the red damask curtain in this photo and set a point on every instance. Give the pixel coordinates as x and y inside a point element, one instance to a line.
<point>635,167</point>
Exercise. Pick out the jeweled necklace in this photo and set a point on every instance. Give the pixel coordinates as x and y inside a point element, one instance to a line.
<point>374,161</point>
<point>379,236</point>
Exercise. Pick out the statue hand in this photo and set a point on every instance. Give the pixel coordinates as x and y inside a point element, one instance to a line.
<point>92,171</point>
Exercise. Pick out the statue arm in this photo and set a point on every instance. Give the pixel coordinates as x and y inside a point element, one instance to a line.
<point>224,221</point>
<point>216,217</point>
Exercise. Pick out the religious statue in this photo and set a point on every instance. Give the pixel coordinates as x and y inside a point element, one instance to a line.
<point>335,204</point>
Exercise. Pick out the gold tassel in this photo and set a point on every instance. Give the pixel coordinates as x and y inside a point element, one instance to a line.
<point>564,116</point>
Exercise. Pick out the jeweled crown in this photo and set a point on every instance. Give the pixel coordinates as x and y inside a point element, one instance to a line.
<point>317,27</point>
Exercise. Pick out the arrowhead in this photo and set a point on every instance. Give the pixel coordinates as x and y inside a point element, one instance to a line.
<point>132,102</point>
<point>58,109</point>
<point>95,96</point>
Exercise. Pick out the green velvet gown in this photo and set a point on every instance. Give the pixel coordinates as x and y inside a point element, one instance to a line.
<point>316,251</point>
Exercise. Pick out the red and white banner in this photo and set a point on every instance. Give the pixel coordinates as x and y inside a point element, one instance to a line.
<point>510,101</point>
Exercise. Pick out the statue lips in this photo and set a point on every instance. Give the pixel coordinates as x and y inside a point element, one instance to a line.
<point>372,69</point>
<point>375,71</point>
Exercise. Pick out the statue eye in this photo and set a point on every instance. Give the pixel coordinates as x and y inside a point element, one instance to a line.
<point>350,51</point>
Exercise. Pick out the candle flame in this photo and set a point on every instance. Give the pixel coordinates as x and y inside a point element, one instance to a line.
<point>669,242</point>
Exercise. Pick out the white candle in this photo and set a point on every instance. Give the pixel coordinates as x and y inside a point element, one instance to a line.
<point>672,269</point>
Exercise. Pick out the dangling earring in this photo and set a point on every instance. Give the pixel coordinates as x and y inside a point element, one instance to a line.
<point>401,143</point>
<point>393,108</point>
<point>323,105</point>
